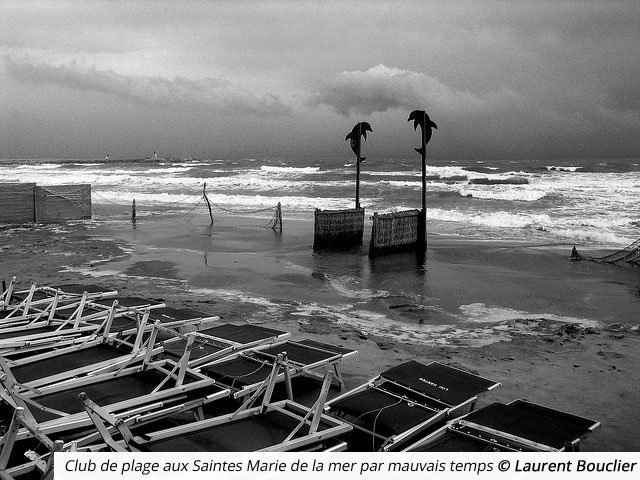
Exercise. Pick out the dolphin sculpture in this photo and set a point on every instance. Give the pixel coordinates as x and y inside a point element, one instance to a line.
<point>360,129</point>
<point>421,118</point>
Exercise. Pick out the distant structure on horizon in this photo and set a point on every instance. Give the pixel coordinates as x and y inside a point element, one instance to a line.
<point>153,158</point>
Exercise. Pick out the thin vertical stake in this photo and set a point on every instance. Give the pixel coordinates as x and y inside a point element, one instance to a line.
<point>206,199</point>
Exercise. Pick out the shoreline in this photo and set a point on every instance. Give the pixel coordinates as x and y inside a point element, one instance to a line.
<point>589,370</point>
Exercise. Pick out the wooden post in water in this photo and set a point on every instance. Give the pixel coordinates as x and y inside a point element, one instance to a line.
<point>279,213</point>
<point>206,199</point>
<point>133,211</point>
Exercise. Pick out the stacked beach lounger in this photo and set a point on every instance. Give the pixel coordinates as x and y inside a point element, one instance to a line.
<point>41,316</point>
<point>270,426</point>
<point>143,363</point>
<point>82,368</point>
<point>103,350</point>
<point>245,371</point>
<point>38,466</point>
<point>223,340</point>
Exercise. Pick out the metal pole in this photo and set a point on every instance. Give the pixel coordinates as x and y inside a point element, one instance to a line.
<point>358,166</point>
<point>423,213</point>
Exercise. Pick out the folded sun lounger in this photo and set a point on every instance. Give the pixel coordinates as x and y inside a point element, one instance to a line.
<point>55,408</point>
<point>277,426</point>
<point>67,323</point>
<point>224,340</point>
<point>99,351</point>
<point>38,301</point>
<point>39,466</point>
<point>400,403</point>
<point>519,426</point>
<point>245,371</point>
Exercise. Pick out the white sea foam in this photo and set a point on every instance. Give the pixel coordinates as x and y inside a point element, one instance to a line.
<point>510,194</point>
<point>289,170</point>
<point>42,166</point>
<point>167,170</point>
<point>248,202</point>
<point>562,169</point>
<point>592,236</point>
<point>500,219</point>
<point>379,325</point>
<point>411,173</point>
<point>481,313</point>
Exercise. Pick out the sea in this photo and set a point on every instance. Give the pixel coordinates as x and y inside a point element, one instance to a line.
<point>588,202</point>
<point>460,296</point>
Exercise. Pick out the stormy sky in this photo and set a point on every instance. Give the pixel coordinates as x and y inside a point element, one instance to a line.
<point>256,79</point>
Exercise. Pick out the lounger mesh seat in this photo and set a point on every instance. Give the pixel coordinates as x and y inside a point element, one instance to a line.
<point>62,363</point>
<point>234,334</point>
<point>239,372</point>
<point>243,371</point>
<point>199,349</point>
<point>108,392</point>
<point>381,413</point>
<point>299,354</point>
<point>449,385</point>
<point>243,333</point>
<point>169,314</point>
<point>243,435</point>
<point>30,331</point>
<point>533,422</point>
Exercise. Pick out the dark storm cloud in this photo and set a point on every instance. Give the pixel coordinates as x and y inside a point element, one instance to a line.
<point>383,88</point>
<point>215,93</point>
<point>529,77</point>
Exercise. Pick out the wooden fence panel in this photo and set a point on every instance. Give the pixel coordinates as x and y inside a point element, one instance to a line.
<point>338,228</point>
<point>58,203</point>
<point>393,232</point>
<point>17,202</point>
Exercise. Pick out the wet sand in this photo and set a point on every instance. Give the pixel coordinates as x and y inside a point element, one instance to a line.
<point>561,333</point>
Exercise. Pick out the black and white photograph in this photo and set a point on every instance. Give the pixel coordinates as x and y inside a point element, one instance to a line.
<point>318,226</point>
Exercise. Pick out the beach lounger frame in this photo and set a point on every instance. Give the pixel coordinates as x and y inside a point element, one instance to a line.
<point>261,358</point>
<point>142,318</point>
<point>133,351</point>
<point>41,301</point>
<point>306,417</point>
<point>172,373</point>
<point>227,345</point>
<point>86,318</point>
<point>42,464</point>
<point>500,440</point>
<point>436,410</point>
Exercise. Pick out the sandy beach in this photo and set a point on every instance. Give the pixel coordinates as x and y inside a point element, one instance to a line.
<point>472,306</point>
